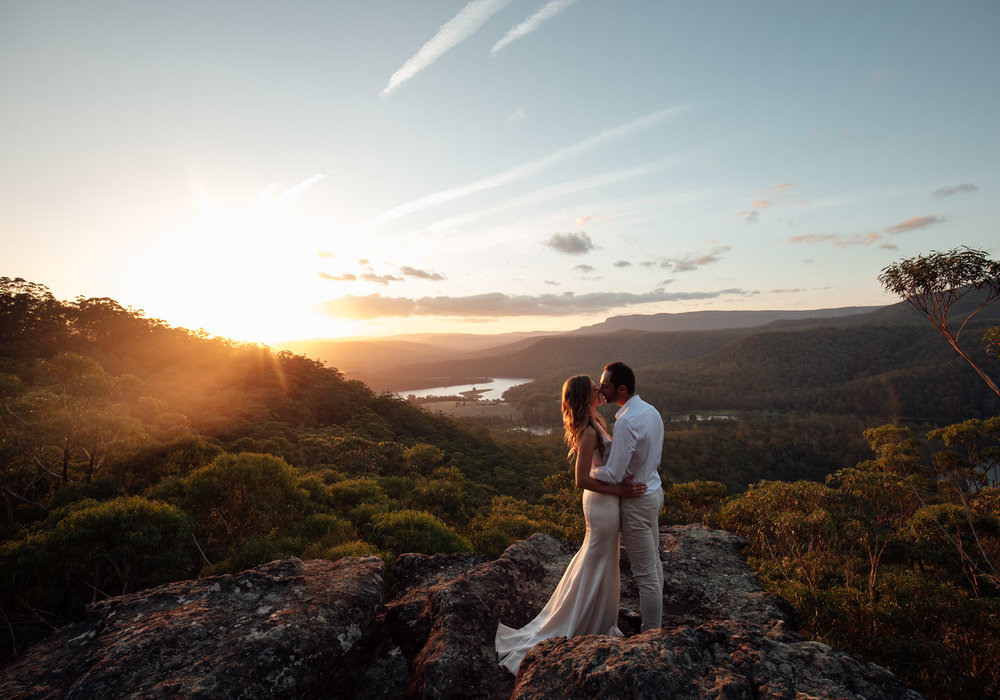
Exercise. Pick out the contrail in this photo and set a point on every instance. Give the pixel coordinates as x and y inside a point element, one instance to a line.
<point>554,191</point>
<point>456,30</point>
<point>525,169</point>
<point>532,23</point>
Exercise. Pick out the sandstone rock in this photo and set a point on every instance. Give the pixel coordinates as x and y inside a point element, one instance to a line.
<point>321,629</point>
<point>723,637</point>
<point>278,630</point>
<point>717,659</point>
<point>458,659</point>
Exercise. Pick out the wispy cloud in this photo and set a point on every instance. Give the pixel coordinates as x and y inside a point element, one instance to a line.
<point>570,243</point>
<point>917,222</point>
<point>516,117</point>
<point>456,30</point>
<point>838,239</point>
<point>421,274</point>
<point>380,279</point>
<point>770,196</point>
<point>504,305</point>
<point>585,269</point>
<point>269,195</point>
<point>868,239</point>
<point>553,191</point>
<point>693,262</point>
<point>371,276</point>
<point>622,263</point>
<point>548,11</point>
<point>949,191</point>
<point>525,169</point>
<point>346,277</point>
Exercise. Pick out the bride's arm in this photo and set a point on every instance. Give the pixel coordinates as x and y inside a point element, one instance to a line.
<point>584,458</point>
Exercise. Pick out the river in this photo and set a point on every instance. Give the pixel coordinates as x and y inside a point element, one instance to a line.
<point>491,390</point>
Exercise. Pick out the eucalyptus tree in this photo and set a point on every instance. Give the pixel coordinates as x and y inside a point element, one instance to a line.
<point>932,284</point>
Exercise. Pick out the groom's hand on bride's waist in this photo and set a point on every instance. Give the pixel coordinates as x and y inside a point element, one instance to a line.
<point>632,489</point>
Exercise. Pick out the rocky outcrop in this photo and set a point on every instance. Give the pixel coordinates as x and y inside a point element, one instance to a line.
<point>322,629</point>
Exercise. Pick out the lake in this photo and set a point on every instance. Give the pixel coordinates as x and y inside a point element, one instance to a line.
<point>491,390</point>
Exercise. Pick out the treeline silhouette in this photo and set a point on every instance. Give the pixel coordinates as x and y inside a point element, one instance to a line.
<point>133,453</point>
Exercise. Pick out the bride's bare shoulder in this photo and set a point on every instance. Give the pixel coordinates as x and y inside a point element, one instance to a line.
<point>588,437</point>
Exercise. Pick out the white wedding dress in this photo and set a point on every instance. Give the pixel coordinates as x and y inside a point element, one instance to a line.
<point>586,599</point>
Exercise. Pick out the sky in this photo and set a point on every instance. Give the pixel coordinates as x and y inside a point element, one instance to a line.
<point>275,171</point>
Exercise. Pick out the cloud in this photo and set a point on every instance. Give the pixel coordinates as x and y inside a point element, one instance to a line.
<point>346,277</point>
<point>570,243</point>
<point>496,304</point>
<point>324,254</point>
<point>949,191</point>
<point>838,239</point>
<point>917,222</point>
<point>553,283</point>
<point>380,279</point>
<point>516,117</point>
<point>421,274</point>
<point>779,193</point>
<point>585,269</point>
<point>622,263</point>
<point>525,169</point>
<point>690,262</point>
<point>866,239</point>
<point>456,30</point>
<point>642,169</point>
<point>548,11</point>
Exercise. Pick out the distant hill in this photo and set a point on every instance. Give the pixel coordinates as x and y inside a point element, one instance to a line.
<point>715,320</point>
<point>403,359</point>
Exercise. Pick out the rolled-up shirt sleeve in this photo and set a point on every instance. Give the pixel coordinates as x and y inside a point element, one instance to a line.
<point>623,446</point>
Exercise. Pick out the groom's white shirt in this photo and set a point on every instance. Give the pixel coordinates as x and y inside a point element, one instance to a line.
<point>637,446</point>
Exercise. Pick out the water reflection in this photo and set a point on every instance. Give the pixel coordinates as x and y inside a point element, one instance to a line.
<point>488,391</point>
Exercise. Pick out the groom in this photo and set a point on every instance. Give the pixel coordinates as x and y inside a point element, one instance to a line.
<point>636,449</point>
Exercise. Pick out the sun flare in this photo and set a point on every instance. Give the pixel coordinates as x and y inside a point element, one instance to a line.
<point>244,273</point>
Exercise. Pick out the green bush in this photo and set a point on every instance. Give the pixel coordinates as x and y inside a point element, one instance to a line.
<point>415,531</point>
<point>241,497</point>
<point>691,502</point>
<point>99,550</point>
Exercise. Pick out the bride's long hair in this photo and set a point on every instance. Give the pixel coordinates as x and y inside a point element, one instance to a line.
<point>576,395</point>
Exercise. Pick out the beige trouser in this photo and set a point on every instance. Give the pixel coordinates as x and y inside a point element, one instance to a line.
<point>641,537</point>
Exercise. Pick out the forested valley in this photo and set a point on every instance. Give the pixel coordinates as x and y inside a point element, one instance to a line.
<point>860,463</point>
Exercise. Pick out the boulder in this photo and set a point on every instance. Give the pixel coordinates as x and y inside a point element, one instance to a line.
<point>279,630</point>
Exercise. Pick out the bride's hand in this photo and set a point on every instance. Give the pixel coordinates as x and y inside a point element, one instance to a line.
<point>631,489</point>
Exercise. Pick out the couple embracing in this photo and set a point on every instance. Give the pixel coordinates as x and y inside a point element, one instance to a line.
<point>622,497</point>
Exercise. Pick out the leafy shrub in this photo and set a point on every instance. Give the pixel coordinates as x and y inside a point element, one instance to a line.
<point>415,531</point>
<point>691,502</point>
<point>99,550</point>
<point>241,497</point>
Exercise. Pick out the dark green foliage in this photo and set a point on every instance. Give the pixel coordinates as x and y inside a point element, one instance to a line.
<point>89,550</point>
<point>894,559</point>
<point>239,498</point>
<point>415,531</point>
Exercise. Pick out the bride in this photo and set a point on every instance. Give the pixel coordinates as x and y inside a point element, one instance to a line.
<point>586,599</point>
